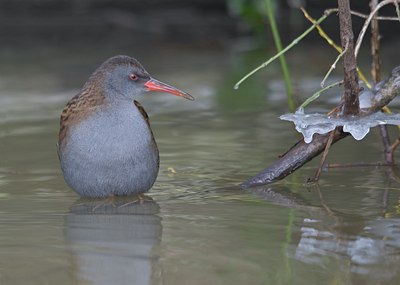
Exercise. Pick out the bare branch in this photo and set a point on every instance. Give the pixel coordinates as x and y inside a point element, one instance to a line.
<point>380,18</point>
<point>351,87</point>
<point>324,155</point>
<point>302,152</point>
<point>370,17</point>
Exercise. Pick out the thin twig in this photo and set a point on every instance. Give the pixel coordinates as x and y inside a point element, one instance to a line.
<point>332,43</point>
<point>324,155</point>
<point>396,4</point>
<point>368,20</point>
<point>387,150</point>
<point>363,78</point>
<point>335,110</point>
<point>380,18</point>
<point>292,44</point>
<point>333,66</point>
<point>317,94</point>
<point>321,31</point>
<point>376,77</point>
<point>375,45</point>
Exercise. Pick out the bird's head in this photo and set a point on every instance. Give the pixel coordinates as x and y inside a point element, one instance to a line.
<point>125,78</point>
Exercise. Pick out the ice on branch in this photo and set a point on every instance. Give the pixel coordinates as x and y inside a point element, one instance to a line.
<point>357,126</point>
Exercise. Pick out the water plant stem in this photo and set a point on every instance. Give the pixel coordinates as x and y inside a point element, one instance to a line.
<point>282,59</point>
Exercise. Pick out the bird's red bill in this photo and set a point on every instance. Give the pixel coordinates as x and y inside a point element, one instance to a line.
<point>155,85</point>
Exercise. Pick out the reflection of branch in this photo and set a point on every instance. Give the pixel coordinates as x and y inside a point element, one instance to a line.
<point>357,164</point>
<point>325,206</point>
<point>395,145</point>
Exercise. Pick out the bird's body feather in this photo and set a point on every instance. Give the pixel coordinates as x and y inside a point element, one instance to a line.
<point>106,146</point>
<point>107,155</point>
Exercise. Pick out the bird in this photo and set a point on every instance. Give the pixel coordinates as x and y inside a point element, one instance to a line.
<point>106,147</point>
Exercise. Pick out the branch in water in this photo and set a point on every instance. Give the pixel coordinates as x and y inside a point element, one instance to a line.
<point>301,153</point>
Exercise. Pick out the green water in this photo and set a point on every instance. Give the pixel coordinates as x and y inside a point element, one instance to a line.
<point>198,226</point>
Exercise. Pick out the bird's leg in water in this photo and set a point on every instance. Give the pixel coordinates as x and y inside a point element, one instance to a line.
<point>109,200</point>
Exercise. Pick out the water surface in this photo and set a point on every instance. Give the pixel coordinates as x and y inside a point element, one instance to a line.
<point>196,226</point>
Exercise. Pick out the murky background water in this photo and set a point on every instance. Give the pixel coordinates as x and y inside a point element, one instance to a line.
<point>198,226</point>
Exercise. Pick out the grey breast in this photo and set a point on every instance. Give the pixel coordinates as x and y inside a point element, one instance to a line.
<point>111,153</point>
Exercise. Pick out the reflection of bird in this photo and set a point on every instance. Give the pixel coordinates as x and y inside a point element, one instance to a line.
<point>106,146</point>
<point>114,243</point>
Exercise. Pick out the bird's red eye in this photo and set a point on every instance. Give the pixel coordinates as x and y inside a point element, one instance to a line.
<point>133,77</point>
